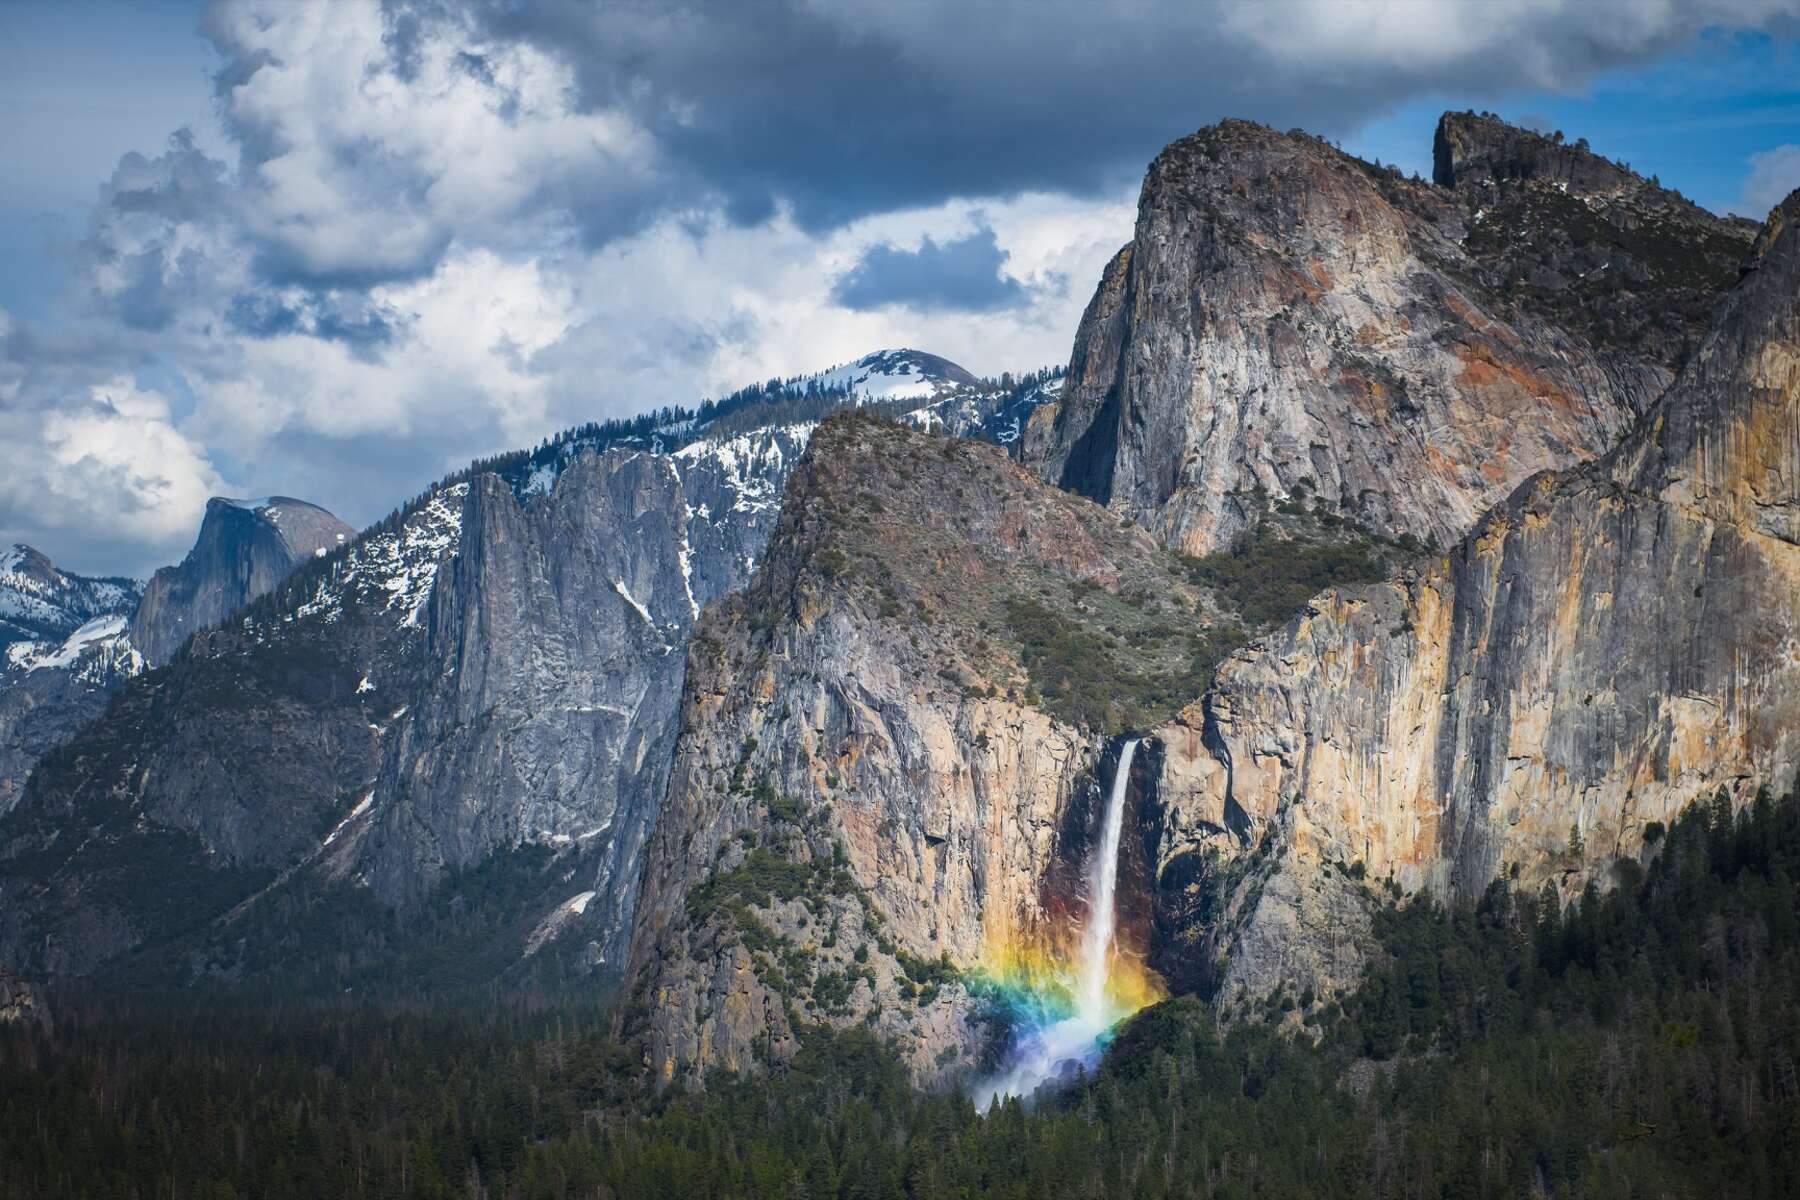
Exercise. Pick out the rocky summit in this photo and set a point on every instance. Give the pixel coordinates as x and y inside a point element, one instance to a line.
<point>1612,643</point>
<point>885,750</point>
<point>1291,321</point>
<point>245,548</point>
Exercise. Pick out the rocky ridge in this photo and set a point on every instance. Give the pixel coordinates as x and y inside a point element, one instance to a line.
<point>1289,321</point>
<point>872,794</point>
<point>70,642</point>
<point>1558,230</point>
<point>63,649</point>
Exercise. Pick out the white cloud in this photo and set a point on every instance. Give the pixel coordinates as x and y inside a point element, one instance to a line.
<point>460,361</point>
<point>1773,174</point>
<point>111,460</point>
<point>367,164</point>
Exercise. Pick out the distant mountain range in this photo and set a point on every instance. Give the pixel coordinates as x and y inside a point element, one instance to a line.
<point>312,740</point>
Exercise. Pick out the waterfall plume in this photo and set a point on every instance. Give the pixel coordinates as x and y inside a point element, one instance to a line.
<point>1068,1008</point>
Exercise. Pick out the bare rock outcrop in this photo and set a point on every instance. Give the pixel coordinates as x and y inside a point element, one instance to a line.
<point>245,548</point>
<point>19,1002</point>
<point>1290,319</point>
<point>1606,646</point>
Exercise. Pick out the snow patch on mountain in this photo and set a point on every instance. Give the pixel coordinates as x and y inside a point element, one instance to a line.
<point>891,375</point>
<point>752,465</point>
<point>394,567</point>
<point>98,652</point>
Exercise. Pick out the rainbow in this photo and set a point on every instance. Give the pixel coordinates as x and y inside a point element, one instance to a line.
<point>1062,995</point>
<point>1032,985</point>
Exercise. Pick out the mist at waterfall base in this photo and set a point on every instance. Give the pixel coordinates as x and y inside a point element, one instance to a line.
<point>1063,1003</point>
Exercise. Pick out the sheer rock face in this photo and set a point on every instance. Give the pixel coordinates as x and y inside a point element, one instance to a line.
<point>244,549</point>
<point>1289,318</point>
<point>485,674</point>
<point>859,715</point>
<point>498,669</point>
<point>1611,643</point>
<point>556,634</point>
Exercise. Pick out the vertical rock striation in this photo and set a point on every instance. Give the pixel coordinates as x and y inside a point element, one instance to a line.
<point>456,728</point>
<point>866,782</point>
<point>556,636</point>
<point>1609,644</point>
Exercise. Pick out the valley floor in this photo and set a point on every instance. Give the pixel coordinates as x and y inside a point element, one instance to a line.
<point>1644,1042</point>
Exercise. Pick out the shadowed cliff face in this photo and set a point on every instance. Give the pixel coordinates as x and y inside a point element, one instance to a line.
<point>1608,645</point>
<point>556,633</point>
<point>70,642</point>
<point>867,779</point>
<point>445,741</point>
<point>1583,242</point>
<point>1287,318</point>
<point>245,548</point>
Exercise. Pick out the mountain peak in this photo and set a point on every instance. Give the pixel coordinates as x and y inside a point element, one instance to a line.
<point>896,374</point>
<point>1470,147</point>
<point>22,559</point>
<point>245,547</point>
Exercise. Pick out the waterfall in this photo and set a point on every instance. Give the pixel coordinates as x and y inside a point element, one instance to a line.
<point>1040,1054</point>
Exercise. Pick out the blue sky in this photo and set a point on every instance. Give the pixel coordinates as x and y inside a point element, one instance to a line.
<point>1695,119</point>
<point>334,248</point>
<point>85,83</point>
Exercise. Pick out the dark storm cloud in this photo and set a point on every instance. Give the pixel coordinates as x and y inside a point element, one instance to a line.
<point>965,275</point>
<point>362,327</point>
<point>863,106</point>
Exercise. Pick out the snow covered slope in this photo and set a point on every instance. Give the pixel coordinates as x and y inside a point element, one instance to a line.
<point>895,375</point>
<point>63,649</point>
<point>38,601</point>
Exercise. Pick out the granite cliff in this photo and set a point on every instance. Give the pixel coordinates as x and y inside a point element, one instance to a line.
<point>888,751</point>
<point>1610,644</point>
<point>245,547</point>
<point>442,742</point>
<point>1291,321</point>
<point>69,642</point>
<point>1300,359</point>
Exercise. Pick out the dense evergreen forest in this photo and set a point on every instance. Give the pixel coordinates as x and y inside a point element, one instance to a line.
<point>1643,1041</point>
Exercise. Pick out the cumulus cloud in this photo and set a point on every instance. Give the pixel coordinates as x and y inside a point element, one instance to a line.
<point>1773,174</point>
<point>443,228</point>
<point>371,140</point>
<point>104,472</point>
